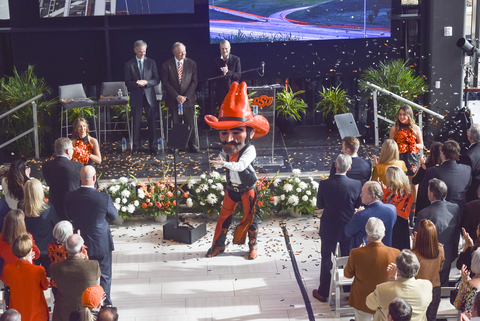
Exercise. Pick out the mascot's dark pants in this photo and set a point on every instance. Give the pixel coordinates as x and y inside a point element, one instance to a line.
<point>248,223</point>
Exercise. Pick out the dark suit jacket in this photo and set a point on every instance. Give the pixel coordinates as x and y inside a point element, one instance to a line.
<point>88,210</point>
<point>356,227</point>
<point>62,175</point>
<point>234,74</point>
<point>471,218</point>
<point>173,88</point>
<point>361,169</point>
<point>72,277</point>
<point>472,158</point>
<point>446,217</point>
<point>369,267</point>
<point>150,74</point>
<point>456,176</point>
<point>337,196</point>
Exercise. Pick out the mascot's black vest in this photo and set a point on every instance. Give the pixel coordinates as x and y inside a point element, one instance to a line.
<point>247,176</point>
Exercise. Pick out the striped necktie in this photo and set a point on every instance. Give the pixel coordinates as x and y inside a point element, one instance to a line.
<point>180,72</point>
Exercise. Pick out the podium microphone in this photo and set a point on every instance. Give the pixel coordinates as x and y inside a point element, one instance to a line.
<point>263,68</point>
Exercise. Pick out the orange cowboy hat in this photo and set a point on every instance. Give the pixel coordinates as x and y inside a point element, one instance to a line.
<point>235,111</point>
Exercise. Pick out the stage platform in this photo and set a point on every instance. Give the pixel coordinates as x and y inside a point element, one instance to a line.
<point>308,148</point>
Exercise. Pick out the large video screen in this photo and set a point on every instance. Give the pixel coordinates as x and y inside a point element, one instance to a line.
<point>298,20</point>
<point>79,8</point>
<point>4,11</point>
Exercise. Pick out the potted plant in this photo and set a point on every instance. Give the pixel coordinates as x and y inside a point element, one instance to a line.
<point>334,100</point>
<point>206,196</point>
<point>395,76</point>
<point>289,109</point>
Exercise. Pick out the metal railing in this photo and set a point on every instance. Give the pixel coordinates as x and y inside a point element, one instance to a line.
<point>376,116</point>
<point>34,129</point>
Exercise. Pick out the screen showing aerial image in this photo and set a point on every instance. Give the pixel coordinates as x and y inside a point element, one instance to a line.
<point>79,8</point>
<point>298,20</point>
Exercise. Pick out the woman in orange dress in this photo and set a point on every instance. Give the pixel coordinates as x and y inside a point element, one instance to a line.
<point>410,142</point>
<point>85,148</point>
<point>27,282</point>
<point>397,192</point>
<point>388,156</point>
<point>13,227</point>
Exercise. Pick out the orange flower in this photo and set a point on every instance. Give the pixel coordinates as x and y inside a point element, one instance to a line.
<point>144,205</point>
<point>46,199</point>
<point>162,197</point>
<point>150,204</point>
<point>185,195</point>
<point>272,198</point>
<point>167,204</point>
<point>157,204</point>
<point>174,203</point>
<point>147,200</point>
<point>169,194</point>
<point>260,203</point>
<point>157,184</point>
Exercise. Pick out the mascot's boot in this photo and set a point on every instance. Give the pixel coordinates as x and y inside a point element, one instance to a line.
<point>252,244</point>
<point>218,246</point>
<point>252,254</point>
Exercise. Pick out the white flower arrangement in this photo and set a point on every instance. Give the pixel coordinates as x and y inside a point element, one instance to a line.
<point>123,196</point>
<point>207,194</point>
<point>293,194</point>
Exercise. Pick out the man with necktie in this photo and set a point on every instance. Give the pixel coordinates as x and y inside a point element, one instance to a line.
<point>141,76</point>
<point>179,77</point>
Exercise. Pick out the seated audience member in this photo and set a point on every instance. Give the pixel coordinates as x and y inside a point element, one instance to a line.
<point>372,199</point>
<point>40,218</point>
<point>361,168</point>
<point>465,257</point>
<point>107,314</point>
<point>398,193</point>
<point>12,184</point>
<point>430,254</point>
<point>11,315</point>
<point>92,300</point>
<point>13,227</point>
<point>469,286</point>
<point>399,310</point>
<point>72,276</point>
<point>467,316</point>
<point>368,265</point>
<point>446,217</point>
<point>27,282</point>
<point>418,293</point>
<point>389,156</point>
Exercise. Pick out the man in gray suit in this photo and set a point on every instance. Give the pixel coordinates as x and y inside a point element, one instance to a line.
<point>141,77</point>
<point>72,277</point>
<point>446,217</point>
<point>179,77</point>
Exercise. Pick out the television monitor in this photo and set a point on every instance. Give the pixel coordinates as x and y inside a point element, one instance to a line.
<point>298,20</point>
<point>79,8</point>
<point>4,10</point>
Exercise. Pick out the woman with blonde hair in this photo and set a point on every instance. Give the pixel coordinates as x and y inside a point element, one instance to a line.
<point>388,157</point>
<point>86,149</point>
<point>397,192</point>
<point>431,256</point>
<point>40,218</point>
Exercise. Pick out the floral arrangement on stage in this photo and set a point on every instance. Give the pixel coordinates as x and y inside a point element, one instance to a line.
<point>123,196</point>
<point>207,195</point>
<point>2,194</point>
<point>265,198</point>
<point>407,141</point>
<point>293,195</point>
<point>158,198</point>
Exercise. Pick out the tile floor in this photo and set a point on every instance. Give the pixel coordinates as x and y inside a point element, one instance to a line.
<point>156,279</point>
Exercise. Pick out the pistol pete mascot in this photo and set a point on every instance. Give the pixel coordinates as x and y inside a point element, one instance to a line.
<point>237,126</point>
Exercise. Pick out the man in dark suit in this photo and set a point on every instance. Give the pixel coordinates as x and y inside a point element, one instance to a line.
<point>368,265</point>
<point>141,76</point>
<point>88,210</point>
<point>61,174</point>
<point>472,158</point>
<point>228,66</point>
<point>446,217</point>
<point>337,196</point>
<point>456,176</point>
<point>361,168</point>
<point>371,196</point>
<point>179,77</point>
<point>72,277</point>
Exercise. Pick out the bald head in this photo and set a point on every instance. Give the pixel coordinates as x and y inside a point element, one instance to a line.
<point>11,315</point>
<point>87,175</point>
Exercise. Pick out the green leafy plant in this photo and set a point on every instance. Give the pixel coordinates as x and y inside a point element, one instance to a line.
<point>14,91</point>
<point>288,104</point>
<point>334,99</point>
<point>395,76</point>
<point>87,113</point>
